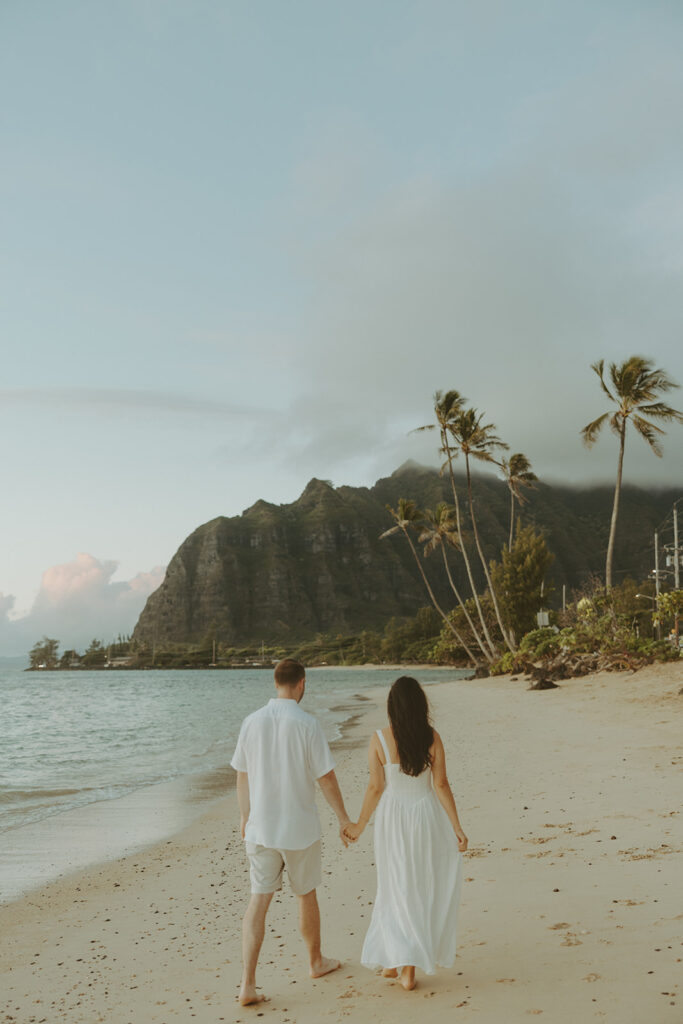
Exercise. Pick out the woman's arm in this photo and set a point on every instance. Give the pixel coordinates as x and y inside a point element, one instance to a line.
<point>443,790</point>
<point>372,793</point>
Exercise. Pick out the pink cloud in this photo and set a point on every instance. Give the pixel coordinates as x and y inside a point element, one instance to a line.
<point>78,601</point>
<point>75,581</point>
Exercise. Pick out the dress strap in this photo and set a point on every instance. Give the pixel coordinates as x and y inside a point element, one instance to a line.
<point>385,748</point>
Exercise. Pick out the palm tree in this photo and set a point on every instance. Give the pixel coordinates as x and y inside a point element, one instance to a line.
<point>478,441</point>
<point>405,515</point>
<point>447,406</point>
<point>439,530</point>
<point>636,386</point>
<point>517,473</point>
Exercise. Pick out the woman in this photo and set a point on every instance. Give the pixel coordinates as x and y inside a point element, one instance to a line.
<point>418,842</point>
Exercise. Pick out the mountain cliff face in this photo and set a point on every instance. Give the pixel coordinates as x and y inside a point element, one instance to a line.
<point>318,565</point>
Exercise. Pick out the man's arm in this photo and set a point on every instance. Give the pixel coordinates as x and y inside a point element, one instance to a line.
<point>332,793</point>
<point>243,799</point>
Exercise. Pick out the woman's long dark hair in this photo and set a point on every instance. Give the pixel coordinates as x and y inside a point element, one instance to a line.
<point>408,711</point>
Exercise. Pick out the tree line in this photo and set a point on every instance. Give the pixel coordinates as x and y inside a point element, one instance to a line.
<point>489,625</point>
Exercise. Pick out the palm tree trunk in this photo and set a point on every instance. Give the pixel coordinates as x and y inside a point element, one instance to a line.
<point>485,567</point>
<point>615,508</point>
<point>512,517</point>
<point>463,549</point>
<point>470,623</point>
<point>436,604</point>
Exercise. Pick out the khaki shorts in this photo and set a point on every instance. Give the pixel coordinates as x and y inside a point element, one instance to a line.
<point>266,865</point>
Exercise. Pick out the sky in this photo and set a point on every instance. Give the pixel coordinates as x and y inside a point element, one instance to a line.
<point>242,244</point>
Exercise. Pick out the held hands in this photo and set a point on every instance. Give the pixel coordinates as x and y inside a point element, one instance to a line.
<point>352,831</point>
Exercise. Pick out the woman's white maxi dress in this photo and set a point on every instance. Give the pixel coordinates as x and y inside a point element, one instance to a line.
<point>419,876</point>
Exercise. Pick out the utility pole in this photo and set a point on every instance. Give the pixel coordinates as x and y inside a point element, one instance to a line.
<point>659,627</point>
<point>676,555</point>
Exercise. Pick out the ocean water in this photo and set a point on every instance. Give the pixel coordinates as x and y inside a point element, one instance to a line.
<point>72,738</point>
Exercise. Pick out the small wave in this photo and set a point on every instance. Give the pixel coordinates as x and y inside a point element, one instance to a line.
<point>17,795</point>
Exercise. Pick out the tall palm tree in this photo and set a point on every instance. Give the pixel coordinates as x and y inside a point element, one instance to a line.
<point>447,406</point>
<point>476,440</point>
<point>517,473</point>
<point>406,515</point>
<point>439,531</point>
<point>636,387</point>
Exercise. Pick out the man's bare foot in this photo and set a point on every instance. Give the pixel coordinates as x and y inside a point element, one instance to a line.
<point>408,978</point>
<point>249,996</point>
<point>324,966</point>
<point>390,972</point>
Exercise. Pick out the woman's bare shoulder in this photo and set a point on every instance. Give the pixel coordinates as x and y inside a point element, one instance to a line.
<point>437,741</point>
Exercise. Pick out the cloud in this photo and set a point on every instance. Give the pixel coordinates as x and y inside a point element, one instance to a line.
<point>76,602</point>
<point>506,282</point>
<point>123,400</point>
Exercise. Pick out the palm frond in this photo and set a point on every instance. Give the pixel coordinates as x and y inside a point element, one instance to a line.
<point>482,455</point>
<point>657,379</point>
<point>616,423</point>
<point>390,532</point>
<point>590,432</point>
<point>650,433</point>
<point>662,412</point>
<point>599,368</point>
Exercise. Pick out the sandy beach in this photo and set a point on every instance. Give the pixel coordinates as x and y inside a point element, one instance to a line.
<point>571,908</point>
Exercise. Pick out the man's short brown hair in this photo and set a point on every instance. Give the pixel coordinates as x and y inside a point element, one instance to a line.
<point>289,672</point>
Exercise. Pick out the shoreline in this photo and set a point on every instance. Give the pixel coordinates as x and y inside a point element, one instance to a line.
<point>246,667</point>
<point>59,845</point>
<point>120,818</point>
<point>570,801</point>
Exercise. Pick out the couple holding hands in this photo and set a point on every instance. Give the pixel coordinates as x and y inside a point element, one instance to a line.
<point>281,754</point>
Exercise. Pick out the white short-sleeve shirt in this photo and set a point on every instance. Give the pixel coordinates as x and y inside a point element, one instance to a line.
<point>284,751</point>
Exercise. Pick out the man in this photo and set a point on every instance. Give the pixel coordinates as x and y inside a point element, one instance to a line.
<point>281,753</point>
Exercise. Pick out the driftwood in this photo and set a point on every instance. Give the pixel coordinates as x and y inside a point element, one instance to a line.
<point>568,665</point>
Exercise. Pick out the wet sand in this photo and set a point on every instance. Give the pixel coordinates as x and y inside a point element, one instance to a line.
<point>571,909</point>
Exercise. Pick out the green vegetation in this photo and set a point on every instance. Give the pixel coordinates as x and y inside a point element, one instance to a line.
<point>515,591</point>
<point>43,654</point>
<point>406,641</point>
<point>669,611</point>
<point>519,578</point>
<point>601,629</point>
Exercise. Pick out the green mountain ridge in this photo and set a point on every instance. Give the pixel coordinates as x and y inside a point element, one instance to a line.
<point>317,565</point>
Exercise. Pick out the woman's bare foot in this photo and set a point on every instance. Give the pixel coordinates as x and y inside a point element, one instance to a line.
<point>408,978</point>
<point>390,972</point>
<point>249,996</point>
<point>324,966</point>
